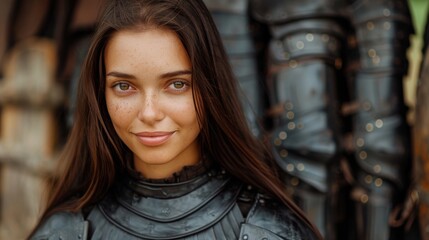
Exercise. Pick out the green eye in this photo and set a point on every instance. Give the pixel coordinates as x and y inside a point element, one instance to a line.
<point>178,85</point>
<point>124,86</point>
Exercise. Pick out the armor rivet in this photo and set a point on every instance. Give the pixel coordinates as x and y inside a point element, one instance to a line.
<point>379,123</point>
<point>293,64</point>
<point>364,198</point>
<point>363,155</point>
<point>249,187</point>
<point>377,168</point>
<point>386,12</point>
<point>369,127</point>
<point>376,60</point>
<point>277,142</point>
<point>223,172</point>
<point>294,181</point>
<point>261,201</point>
<point>300,167</point>
<point>283,153</point>
<point>291,125</point>
<point>290,115</point>
<point>387,25</point>
<point>378,182</point>
<point>282,135</point>
<point>325,37</point>
<point>245,237</point>
<point>360,142</point>
<point>290,167</point>
<point>368,179</point>
<point>309,37</point>
<point>299,45</point>
<point>370,26</point>
<point>289,106</point>
<point>372,53</point>
<point>300,125</point>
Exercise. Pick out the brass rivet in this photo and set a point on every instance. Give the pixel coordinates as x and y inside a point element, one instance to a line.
<point>277,142</point>
<point>293,64</point>
<point>282,135</point>
<point>283,153</point>
<point>377,168</point>
<point>290,167</point>
<point>370,25</point>
<point>386,12</point>
<point>294,181</point>
<point>386,25</point>
<point>300,167</point>
<point>376,60</point>
<point>360,142</point>
<point>291,125</point>
<point>290,115</point>
<point>364,198</point>
<point>299,45</point>
<point>289,106</point>
<point>368,179</point>
<point>379,123</point>
<point>363,155</point>
<point>372,53</point>
<point>309,37</point>
<point>369,127</point>
<point>378,182</point>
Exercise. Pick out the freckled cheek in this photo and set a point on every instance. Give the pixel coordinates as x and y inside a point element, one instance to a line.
<point>121,113</point>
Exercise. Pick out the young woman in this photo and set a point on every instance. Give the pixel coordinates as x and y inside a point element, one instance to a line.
<point>160,148</point>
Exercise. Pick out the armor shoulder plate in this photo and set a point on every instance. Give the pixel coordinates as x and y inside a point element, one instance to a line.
<point>269,219</point>
<point>63,225</point>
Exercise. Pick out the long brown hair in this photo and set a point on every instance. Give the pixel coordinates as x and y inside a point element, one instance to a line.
<point>94,155</point>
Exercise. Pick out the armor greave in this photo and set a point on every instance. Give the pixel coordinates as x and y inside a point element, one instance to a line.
<point>240,38</point>
<point>303,72</point>
<point>381,133</point>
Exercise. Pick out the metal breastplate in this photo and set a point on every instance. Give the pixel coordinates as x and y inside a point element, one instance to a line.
<point>201,208</point>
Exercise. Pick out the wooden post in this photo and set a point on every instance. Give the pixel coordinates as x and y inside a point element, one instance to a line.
<point>27,94</point>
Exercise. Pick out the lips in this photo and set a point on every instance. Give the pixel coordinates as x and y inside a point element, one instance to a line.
<point>153,139</point>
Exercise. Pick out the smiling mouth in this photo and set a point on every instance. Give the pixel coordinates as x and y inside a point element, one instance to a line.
<point>153,139</point>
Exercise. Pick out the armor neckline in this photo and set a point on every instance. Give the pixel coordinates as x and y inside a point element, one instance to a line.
<point>175,217</point>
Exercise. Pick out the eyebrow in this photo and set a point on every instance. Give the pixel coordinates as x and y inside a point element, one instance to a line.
<point>176,73</point>
<point>164,75</point>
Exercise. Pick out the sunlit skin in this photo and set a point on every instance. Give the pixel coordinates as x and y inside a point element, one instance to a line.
<point>150,101</point>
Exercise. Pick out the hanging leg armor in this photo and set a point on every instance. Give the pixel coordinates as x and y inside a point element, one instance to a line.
<point>241,40</point>
<point>381,134</point>
<point>304,66</point>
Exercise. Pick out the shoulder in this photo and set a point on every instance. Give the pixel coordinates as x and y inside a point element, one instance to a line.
<point>62,225</point>
<point>271,219</point>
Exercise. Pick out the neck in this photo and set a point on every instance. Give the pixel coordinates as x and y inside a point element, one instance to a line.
<point>163,171</point>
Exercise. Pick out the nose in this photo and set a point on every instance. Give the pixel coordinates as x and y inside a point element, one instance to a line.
<point>150,111</point>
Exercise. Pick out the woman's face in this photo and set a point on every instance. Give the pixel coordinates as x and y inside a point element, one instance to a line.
<point>150,101</point>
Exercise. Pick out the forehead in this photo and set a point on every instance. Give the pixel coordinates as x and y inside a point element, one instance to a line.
<point>148,49</point>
